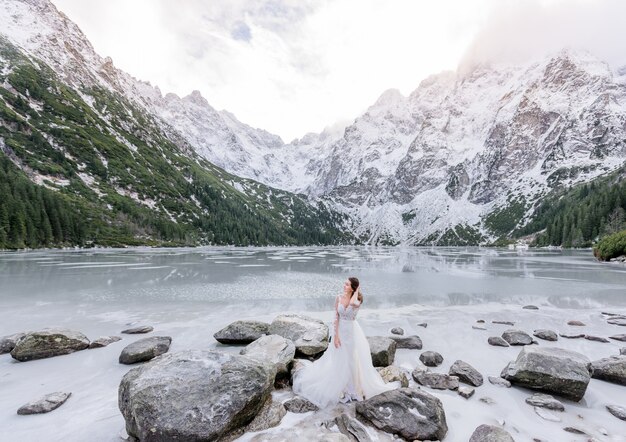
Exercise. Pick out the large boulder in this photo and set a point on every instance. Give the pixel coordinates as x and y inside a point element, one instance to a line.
<point>7,343</point>
<point>412,342</point>
<point>490,433</point>
<point>309,335</point>
<point>383,350</point>
<point>242,332</point>
<point>611,369</point>
<point>274,349</point>
<point>145,349</point>
<point>410,413</point>
<point>48,343</point>
<point>193,395</point>
<point>46,404</point>
<point>516,337</point>
<point>552,370</point>
<point>466,373</point>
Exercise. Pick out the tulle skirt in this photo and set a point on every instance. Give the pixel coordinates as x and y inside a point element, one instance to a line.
<point>342,373</point>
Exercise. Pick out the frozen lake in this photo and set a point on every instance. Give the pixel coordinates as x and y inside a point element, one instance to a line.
<point>191,293</point>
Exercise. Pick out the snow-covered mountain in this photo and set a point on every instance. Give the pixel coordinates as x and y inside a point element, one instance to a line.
<point>461,152</point>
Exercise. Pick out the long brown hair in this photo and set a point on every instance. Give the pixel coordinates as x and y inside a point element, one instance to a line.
<point>354,283</point>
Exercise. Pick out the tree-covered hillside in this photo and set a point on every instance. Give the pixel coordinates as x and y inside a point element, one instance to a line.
<point>82,167</point>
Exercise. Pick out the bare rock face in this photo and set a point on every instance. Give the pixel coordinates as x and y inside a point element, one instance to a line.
<point>409,413</point>
<point>145,349</point>
<point>490,433</point>
<point>242,332</point>
<point>48,343</point>
<point>552,370</point>
<point>273,349</point>
<point>309,335</point>
<point>46,404</point>
<point>383,350</point>
<point>193,395</point>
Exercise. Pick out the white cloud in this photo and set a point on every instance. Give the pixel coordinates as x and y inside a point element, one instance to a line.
<point>294,66</point>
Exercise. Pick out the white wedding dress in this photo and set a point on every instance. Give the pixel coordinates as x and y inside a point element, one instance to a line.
<point>344,373</point>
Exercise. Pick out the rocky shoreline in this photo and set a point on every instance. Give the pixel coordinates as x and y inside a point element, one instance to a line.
<point>240,388</point>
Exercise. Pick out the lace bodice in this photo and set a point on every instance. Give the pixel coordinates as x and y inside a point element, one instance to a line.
<point>347,313</point>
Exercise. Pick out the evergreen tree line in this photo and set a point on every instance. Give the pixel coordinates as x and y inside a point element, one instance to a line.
<point>582,215</point>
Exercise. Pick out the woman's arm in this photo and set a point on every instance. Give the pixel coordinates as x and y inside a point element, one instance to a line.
<point>355,298</point>
<point>336,340</point>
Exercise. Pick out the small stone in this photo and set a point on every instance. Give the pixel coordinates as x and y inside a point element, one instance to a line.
<point>617,411</point>
<point>547,415</point>
<point>352,428</point>
<point>104,341</point>
<point>46,404</point>
<point>299,405</point>
<point>242,332</point>
<point>617,321</point>
<point>622,351</point>
<point>145,349</point>
<point>596,338</point>
<point>431,358</point>
<point>621,337</point>
<point>393,373</point>
<point>481,321</point>
<point>547,335</point>
<point>573,430</point>
<point>576,323</point>
<point>497,341</point>
<point>7,343</point>
<point>478,327</point>
<point>438,381</point>
<point>466,373</point>
<point>530,307</point>
<point>499,382</point>
<point>503,322</point>
<point>572,335</point>
<point>545,401</point>
<point>422,324</point>
<point>516,337</point>
<point>466,392</point>
<point>487,400</point>
<point>490,433</point>
<point>397,331</point>
<point>138,330</point>
<point>612,369</point>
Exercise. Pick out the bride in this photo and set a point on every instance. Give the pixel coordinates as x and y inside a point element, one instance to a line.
<point>345,371</point>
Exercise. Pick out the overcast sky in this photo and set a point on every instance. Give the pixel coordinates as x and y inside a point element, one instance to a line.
<point>297,66</point>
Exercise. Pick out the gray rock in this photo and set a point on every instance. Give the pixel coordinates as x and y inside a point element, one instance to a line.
<point>517,337</point>
<point>422,324</point>
<point>431,358</point>
<point>193,395</point>
<point>145,349</point>
<point>617,411</point>
<point>299,405</point>
<point>487,400</point>
<point>504,323</point>
<point>393,373</point>
<point>552,370</point>
<point>611,369</point>
<point>490,433</point>
<point>545,401</point>
<point>530,307</point>
<point>352,428</point>
<point>497,341</point>
<point>48,343</point>
<point>499,382</point>
<point>409,413</point>
<point>383,350</point>
<point>621,337</point>
<point>478,327</point>
<point>274,349</point>
<point>138,330</point>
<point>617,321</point>
<point>317,434</point>
<point>466,373</point>
<point>397,331</point>
<point>46,404</point>
<point>466,392</point>
<point>547,335</point>
<point>438,381</point>
<point>411,342</point>
<point>7,343</point>
<point>547,415</point>
<point>596,338</point>
<point>572,335</point>
<point>309,335</point>
<point>242,332</point>
<point>574,430</point>
<point>270,416</point>
<point>576,323</point>
<point>622,351</point>
<point>104,341</point>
